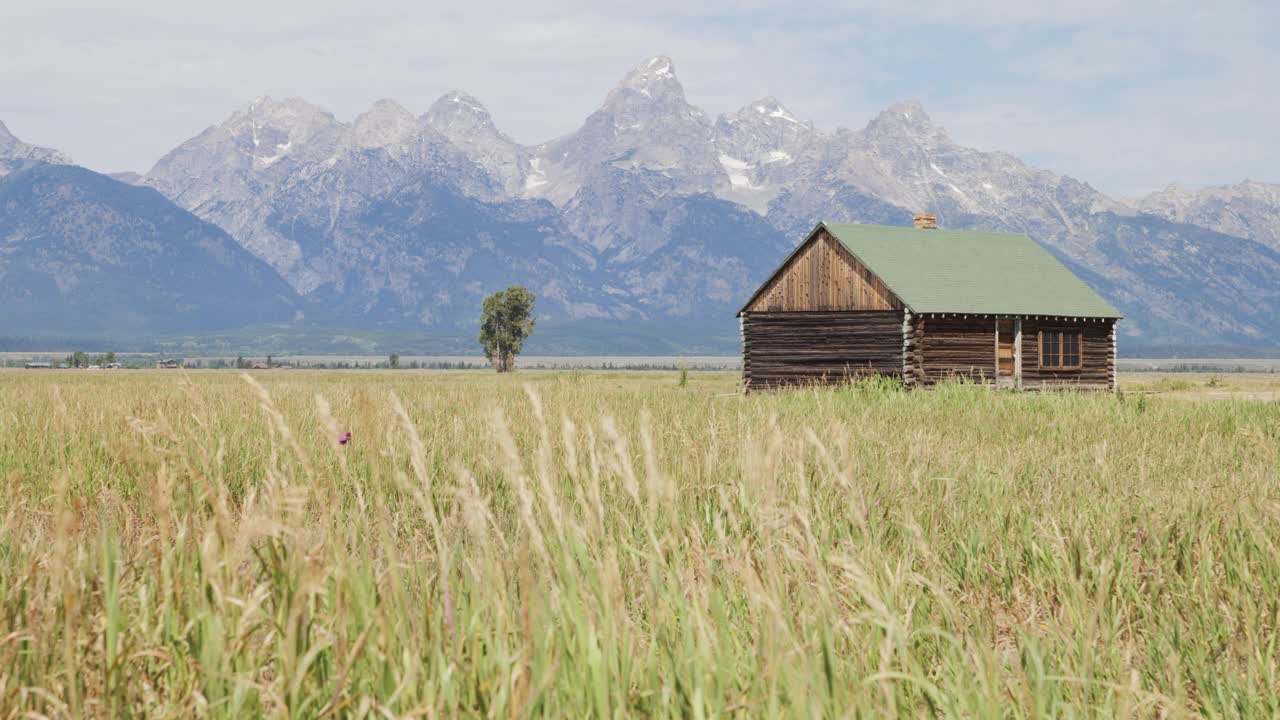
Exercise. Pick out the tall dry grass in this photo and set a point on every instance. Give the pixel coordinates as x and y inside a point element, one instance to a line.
<point>590,544</point>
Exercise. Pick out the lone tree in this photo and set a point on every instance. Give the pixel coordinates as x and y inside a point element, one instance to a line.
<point>506,319</point>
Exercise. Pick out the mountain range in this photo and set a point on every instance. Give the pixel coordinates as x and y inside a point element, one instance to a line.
<point>645,228</point>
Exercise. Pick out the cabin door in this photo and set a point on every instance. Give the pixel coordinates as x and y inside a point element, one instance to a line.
<point>1005,344</point>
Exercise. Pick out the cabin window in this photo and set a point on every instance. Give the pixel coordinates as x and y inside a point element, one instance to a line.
<point>1060,350</point>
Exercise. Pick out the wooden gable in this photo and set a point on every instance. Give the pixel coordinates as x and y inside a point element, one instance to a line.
<point>822,275</point>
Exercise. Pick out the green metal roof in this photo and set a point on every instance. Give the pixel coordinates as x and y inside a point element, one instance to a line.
<point>961,271</point>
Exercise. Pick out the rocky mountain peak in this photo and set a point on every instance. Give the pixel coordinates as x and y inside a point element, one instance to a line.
<point>653,80</point>
<point>270,129</point>
<point>457,108</point>
<point>905,119</point>
<point>763,126</point>
<point>645,125</point>
<point>465,122</point>
<point>1248,209</point>
<point>768,110</point>
<point>651,100</point>
<point>13,150</point>
<point>385,124</point>
<point>292,113</point>
<point>759,147</point>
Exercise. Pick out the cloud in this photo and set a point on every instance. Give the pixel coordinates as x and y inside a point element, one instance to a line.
<point>1126,95</point>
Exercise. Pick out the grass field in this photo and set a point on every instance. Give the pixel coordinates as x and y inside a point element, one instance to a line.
<point>578,544</point>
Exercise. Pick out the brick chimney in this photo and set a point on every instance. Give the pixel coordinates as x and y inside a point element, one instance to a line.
<point>926,222</point>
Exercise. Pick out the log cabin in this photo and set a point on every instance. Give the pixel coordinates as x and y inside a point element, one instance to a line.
<point>926,305</point>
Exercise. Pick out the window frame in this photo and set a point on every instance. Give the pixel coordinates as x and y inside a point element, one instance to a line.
<point>1062,334</point>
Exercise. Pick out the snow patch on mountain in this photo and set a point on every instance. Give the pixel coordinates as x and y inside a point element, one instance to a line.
<point>537,177</point>
<point>737,170</point>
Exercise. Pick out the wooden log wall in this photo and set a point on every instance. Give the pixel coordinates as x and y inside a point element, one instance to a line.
<point>949,348</point>
<point>796,348</point>
<point>908,348</point>
<point>822,275</point>
<point>1111,358</point>
<point>917,352</point>
<point>1098,356</point>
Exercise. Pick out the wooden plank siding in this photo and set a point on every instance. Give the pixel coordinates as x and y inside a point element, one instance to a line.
<point>951,348</point>
<point>798,348</point>
<point>1097,354</point>
<point>822,275</point>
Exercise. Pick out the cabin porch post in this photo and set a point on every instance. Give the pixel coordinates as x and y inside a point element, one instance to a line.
<point>995,380</point>
<point>1017,353</point>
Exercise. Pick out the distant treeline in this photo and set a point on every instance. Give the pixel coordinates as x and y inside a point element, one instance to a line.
<point>240,363</point>
<point>608,365</point>
<point>450,365</point>
<point>1196,368</point>
<point>246,364</point>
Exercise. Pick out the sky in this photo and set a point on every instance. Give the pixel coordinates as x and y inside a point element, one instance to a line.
<point>1127,95</point>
